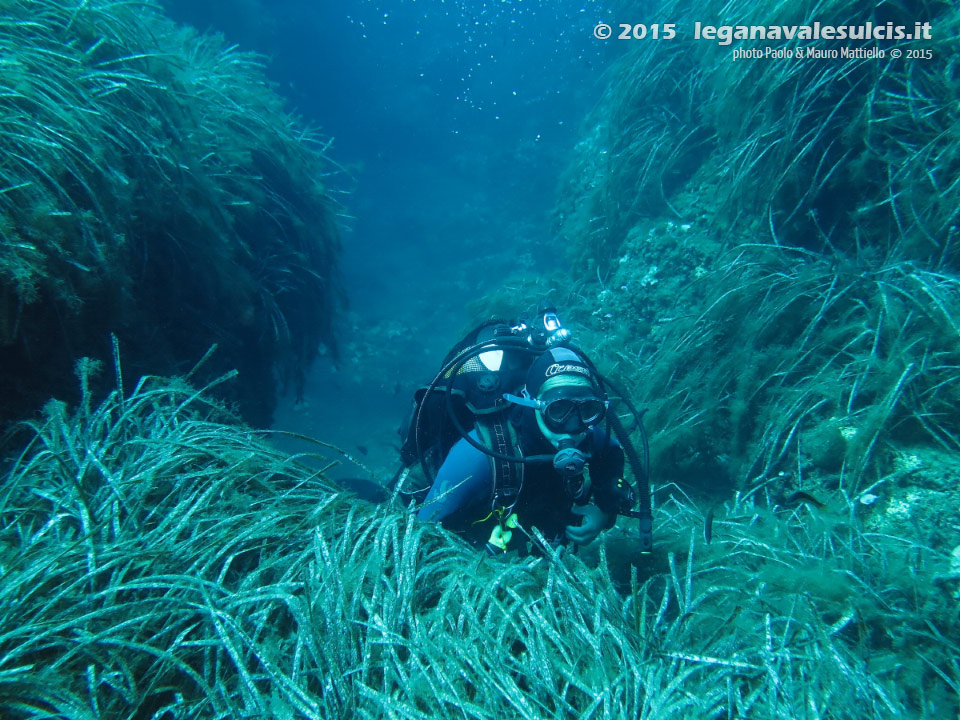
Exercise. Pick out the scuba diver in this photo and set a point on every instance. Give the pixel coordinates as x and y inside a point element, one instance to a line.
<point>516,432</point>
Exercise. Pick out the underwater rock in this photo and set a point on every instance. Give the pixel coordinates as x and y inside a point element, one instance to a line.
<point>154,187</point>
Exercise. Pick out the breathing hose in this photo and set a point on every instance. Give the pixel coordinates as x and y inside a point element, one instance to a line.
<point>645,513</point>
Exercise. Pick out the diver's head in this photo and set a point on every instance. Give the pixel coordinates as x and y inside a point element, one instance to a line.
<point>566,398</point>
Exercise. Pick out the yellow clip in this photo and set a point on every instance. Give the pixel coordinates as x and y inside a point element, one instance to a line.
<point>501,538</point>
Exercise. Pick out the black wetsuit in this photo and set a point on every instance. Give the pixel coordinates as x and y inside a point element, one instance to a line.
<point>462,495</point>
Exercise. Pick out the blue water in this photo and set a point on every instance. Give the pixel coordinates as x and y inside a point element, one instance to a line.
<point>453,121</point>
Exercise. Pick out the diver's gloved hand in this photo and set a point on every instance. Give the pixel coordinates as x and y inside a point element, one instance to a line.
<point>594,522</point>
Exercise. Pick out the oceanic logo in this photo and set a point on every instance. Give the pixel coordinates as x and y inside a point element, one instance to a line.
<point>558,368</point>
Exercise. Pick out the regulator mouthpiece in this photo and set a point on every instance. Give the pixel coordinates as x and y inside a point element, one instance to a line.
<point>569,461</point>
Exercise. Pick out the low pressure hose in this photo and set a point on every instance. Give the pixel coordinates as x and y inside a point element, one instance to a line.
<point>645,513</point>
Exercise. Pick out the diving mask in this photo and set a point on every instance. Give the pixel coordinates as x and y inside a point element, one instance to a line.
<point>562,412</point>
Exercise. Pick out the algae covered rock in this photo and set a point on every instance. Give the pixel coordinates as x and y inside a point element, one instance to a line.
<point>812,307</point>
<point>153,185</point>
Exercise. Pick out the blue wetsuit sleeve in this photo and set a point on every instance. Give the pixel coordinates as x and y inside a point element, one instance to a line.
<point>464,478</point>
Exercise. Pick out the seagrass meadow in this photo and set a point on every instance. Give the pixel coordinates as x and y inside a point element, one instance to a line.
<point>765,254</point>
<point>153,185</point>
<point>161,561</point>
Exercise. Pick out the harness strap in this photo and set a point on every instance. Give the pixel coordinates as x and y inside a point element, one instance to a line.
<point>499,435</point>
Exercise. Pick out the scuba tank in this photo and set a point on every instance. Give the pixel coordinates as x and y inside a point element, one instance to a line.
<point>472,380</point>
